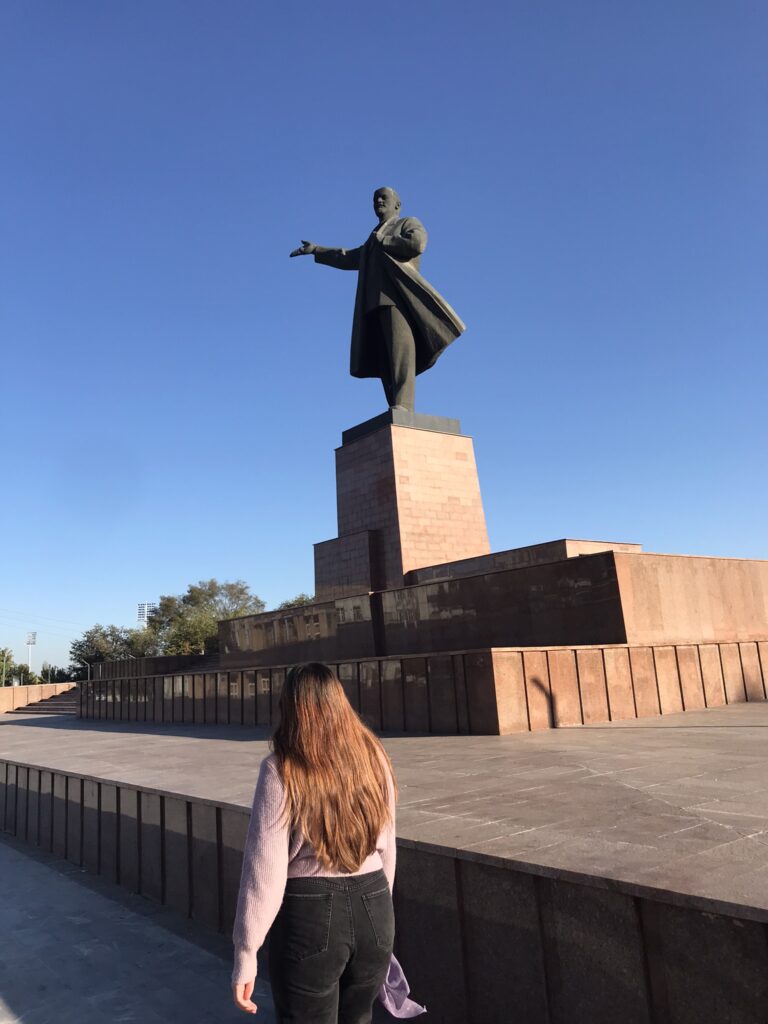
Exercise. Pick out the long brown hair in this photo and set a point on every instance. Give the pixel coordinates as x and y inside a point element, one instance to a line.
<point>335,771</point>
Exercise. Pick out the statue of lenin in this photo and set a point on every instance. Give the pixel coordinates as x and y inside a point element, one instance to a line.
<point>401,324</point>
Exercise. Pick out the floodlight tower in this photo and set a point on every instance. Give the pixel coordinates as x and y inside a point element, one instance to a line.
<point>145,610</point>
<point>31,641</point>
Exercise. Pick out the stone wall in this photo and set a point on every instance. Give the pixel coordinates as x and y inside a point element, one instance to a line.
<point>678,598</point>
<point>151,666</point>
<point>492,691</point>
<point>573,601</point>
<point>604,597</point>
<point>515,558</point>
<point>483,941</point>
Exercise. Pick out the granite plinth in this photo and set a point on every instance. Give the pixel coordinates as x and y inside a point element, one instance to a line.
<point>676,598</point>
<point>606,596</point>
<point>323,631</point>
<point>515,558</point>
<point>402,418</point>
<point>573,601</point>
<point>407,495</point>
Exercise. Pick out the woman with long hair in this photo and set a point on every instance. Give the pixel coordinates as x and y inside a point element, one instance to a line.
<point>319,864</point>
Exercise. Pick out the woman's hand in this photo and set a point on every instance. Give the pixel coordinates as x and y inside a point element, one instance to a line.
<point>242,995</point>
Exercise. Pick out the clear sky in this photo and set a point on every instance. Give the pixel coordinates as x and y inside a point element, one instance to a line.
<point>593,179</point>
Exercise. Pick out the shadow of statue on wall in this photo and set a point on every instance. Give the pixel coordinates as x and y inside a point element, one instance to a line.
<point>550,700</point>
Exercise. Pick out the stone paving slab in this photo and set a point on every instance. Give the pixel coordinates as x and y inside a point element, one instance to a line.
<point>78,951</point>
<point>677,803</point>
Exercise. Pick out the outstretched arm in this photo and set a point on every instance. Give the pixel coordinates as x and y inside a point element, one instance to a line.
<point>342,259</point>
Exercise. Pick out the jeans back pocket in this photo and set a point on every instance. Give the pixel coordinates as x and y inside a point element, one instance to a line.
<point>381,914</point>
<point>305,924</point>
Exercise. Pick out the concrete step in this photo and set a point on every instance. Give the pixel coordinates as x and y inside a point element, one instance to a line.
<point>45,711</point>
<point>62,704</point>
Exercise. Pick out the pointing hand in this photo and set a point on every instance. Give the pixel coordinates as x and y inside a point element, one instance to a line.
<point>305,249</point>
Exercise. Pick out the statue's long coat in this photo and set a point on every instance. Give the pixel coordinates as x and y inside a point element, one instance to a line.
<point>394,250</point>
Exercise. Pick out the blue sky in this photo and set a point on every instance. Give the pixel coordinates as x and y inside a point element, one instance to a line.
<point>592,177</point>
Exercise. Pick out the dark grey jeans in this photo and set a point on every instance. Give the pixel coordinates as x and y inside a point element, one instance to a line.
<point>330,947</point>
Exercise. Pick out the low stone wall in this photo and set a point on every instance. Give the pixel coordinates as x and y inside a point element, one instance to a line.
<point>483,941</point>
<point>495,691</point>
<point>12,697</point>
<point>153,666</point>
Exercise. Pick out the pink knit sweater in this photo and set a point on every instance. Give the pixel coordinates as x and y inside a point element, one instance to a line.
<point>274,854</point>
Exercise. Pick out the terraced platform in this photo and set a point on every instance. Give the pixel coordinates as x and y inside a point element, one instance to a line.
<point>599,873</point>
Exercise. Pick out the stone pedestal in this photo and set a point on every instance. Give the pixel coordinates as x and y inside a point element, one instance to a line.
<point>407,496</point>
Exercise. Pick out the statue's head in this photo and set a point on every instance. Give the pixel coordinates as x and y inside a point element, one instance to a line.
<point>386,203</point>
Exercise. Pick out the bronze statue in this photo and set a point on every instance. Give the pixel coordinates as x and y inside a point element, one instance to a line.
<point>401,324</point>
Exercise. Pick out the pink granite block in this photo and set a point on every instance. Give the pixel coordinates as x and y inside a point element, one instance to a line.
<point>668,679</point>
<point>750,666</point>
<point>644,682</point>
<point>594,696</point>
<point>732,674</point>
<point>537,690</point>
<point>712,675</point>
<point>564,688</point>
<point>618,679</point>
<point>691,683</point>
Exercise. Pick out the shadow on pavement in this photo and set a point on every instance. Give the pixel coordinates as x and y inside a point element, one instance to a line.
<point>77,950</point>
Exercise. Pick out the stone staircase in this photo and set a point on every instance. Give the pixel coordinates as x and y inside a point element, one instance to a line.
<point>62,704</point>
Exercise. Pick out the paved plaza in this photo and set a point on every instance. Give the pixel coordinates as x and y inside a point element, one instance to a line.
<point>76,950</point>
<point>677,803</point>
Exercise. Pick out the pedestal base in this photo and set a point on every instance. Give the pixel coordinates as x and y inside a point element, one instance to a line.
<point>407,496</point>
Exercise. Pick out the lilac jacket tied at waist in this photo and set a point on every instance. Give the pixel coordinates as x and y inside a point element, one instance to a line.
<point>272,855</point>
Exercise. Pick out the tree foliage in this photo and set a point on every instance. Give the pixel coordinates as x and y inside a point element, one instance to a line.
<point>7,666</point>
<point>109,643</point>
<point>12,671</point>
<point>24,676</point>
<point>182,624</point>
<point>188,623</point>
<point>53,674</point>
<point>296,602</point>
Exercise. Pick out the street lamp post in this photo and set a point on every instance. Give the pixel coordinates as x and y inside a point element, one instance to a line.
<point>31,641</point>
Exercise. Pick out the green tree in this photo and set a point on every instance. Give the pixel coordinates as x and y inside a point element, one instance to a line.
<point>100,643</point>
<point>142,643</point>
<point>53,674</point>
<point>296,602</point>
<point>188,623</point>
<point>24,676</point>
<point>109,643</point>
<point>7,666</point>
<point>182,624</point>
